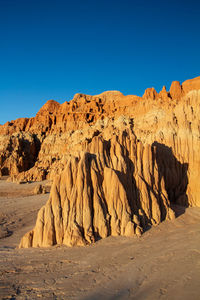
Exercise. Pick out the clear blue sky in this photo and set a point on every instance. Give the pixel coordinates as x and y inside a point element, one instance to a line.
<point>56,48</point>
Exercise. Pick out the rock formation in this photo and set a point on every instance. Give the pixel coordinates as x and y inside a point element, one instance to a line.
<point>120,163</point>
<point>114,187</point>
<point>18,152</point>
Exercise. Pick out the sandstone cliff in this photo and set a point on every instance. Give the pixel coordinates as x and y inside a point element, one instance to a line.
<point>114,187</point>
<point>120,162</point>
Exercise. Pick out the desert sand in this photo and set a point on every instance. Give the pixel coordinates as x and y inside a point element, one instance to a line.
<point>164,263</point>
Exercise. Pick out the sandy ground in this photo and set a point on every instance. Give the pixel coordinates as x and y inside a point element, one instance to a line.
<point>163,264</point>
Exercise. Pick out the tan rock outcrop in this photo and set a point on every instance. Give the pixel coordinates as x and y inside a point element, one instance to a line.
<point>117,187</point>
<point>191,84</point>
<point>18,152</point>
<point>150,93</point>
<point>164,94</point>
<point>120,162</point>
<point>176,90</point>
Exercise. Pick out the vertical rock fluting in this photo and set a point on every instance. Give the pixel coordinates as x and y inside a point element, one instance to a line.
<point>117,187</point>
<point>178,127</point>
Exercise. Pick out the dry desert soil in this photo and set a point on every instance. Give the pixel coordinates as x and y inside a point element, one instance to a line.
<point>163,264</point>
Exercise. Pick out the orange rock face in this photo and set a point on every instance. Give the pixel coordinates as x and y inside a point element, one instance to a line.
<point>123,162</point>
<point>191,84</point>
<point>176,90</point>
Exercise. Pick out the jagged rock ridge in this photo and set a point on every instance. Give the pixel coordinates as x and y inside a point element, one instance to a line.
<point>58,127</point>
